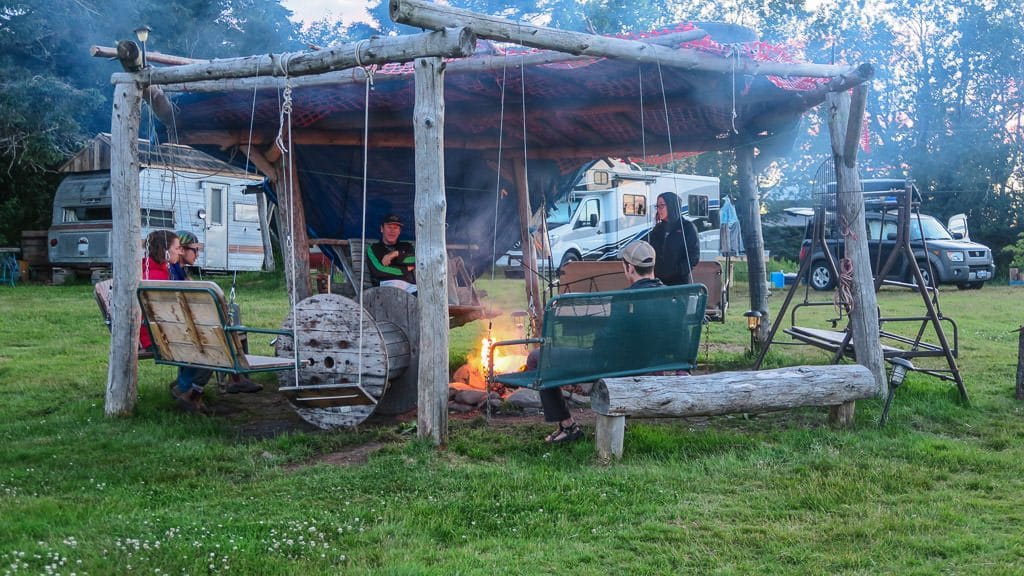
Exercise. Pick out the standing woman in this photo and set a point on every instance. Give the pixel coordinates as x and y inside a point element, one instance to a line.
<point>675,242</point>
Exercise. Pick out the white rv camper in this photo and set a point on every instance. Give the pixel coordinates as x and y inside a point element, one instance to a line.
<point>612,204</point>
<point>180,189</point>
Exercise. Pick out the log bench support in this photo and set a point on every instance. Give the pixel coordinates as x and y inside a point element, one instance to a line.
<point>837,387</point>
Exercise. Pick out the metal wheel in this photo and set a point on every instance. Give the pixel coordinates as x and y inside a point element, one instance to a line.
<point>821,276</point>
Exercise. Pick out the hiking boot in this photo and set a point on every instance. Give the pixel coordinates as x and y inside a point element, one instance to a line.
<point>243,385</point>
<point>191,401</point>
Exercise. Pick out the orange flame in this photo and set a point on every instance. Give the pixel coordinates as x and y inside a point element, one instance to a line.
<point>505,358</point>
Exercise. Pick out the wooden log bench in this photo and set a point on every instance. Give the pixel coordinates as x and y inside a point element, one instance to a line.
<point>835,387</point>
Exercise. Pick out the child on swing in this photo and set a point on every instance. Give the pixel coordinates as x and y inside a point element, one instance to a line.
<point>190,248</point>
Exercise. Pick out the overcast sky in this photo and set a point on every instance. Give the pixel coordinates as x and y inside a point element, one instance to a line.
<point>309,10</point>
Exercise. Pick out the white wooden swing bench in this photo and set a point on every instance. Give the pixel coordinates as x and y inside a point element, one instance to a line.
<point>190,326</point>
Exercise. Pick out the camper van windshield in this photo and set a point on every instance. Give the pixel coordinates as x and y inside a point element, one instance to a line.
<point>560,213</point>
<point>87,214</point>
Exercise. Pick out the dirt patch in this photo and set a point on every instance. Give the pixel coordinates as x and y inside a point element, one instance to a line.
<point>260,415</point>
<point>351,456</point>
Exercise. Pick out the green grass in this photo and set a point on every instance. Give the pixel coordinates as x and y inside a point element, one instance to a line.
<point>940,490</point>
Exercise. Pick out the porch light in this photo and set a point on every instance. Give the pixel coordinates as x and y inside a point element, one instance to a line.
<point>754,318</point>
<point>900,366</point>
<point>142,33</point>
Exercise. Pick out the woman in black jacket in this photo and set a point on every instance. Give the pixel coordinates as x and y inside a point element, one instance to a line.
<point>675,242</point>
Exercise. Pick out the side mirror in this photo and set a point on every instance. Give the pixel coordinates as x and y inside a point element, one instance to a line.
<point>958,235</point>
<point>593,221</point>
<point>891,236</point>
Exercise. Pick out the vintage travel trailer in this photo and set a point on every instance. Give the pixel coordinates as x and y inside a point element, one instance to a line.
<point>181,189</point>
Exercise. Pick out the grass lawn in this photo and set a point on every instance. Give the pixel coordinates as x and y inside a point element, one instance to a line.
<point>939,490</point>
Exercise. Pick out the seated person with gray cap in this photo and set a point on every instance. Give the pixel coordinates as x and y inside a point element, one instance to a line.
<point>391,262</point>
<point>638,265</point>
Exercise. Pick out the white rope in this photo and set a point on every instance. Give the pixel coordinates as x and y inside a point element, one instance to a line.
<point>533,305</point>
<point>643,129</point>
<point>288,174</point>
<point>362,232</point>
<point>734,58</point>
<point>497,183</point>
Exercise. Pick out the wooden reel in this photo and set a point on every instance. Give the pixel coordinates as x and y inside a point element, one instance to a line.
<point>340,382</point>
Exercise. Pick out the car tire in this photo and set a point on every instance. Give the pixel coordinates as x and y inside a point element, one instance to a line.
<point>568,257</point>
<point>820,277</point>
<point>925,273</point>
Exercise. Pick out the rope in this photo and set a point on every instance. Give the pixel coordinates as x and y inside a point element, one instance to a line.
<point>286,109</point>
<point>368,69</point>
<point>643,129</point>
<point>675,181</point>
<point>289,171</point>
<point>362,232</point>
<point>843,297</point>
<point>497,183</point>
<point>734,59</point>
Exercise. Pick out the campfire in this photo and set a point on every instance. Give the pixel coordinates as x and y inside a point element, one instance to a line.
<point>473,374</point>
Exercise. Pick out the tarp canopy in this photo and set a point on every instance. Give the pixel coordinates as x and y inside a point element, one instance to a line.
<point>574,111</point>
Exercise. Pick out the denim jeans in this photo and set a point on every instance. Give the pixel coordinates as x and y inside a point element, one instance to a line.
<point>189,378</point>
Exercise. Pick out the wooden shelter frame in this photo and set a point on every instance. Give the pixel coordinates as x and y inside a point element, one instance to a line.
<point>454,37</point>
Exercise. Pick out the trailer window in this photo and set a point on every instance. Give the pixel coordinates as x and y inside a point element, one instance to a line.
<point>216,206</point>
<point>634,205</point>
<point>698,206</point>
<point>246,212</point>
<point>157,218</point>
<point>87,214</point>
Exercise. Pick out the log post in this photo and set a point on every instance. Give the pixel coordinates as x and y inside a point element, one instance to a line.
<point>268,248</point>
<point>530,268</point>
<point>431,255</point>
<point>451,43</point>
<point>748,209</point>
<point>1020,363</point>
<point>614,399</point>
<point>123,367</point>
<point>844,124</point>
<point>432,15</point>
<point>292,220</point>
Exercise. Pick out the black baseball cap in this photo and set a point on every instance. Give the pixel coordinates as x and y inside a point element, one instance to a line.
<point>392,219</point>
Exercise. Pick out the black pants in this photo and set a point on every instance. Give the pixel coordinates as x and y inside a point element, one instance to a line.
<point>551,399</point>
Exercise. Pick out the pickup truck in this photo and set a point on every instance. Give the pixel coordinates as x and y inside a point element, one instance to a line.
<point>948,258</point>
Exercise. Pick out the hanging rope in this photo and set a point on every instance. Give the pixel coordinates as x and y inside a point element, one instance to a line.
<point>843,297</point>
<point>734,60</point>
<point>497,183</point>
<point>284,126</point>
<point>362,231</point>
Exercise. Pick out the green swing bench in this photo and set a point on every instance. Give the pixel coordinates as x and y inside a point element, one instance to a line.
<point>190,326</point>
<point>588,336</point>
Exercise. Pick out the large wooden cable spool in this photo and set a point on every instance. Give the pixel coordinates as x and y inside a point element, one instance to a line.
<point>334,388</point>
<point>398,307</point>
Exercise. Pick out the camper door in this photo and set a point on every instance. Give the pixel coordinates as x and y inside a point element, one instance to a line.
<point>215,248</point>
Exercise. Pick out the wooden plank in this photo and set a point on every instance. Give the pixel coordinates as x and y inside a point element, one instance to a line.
<point>431,257</point>
<point>123,371</point>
